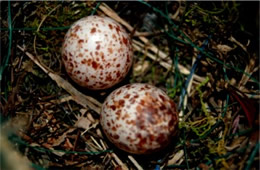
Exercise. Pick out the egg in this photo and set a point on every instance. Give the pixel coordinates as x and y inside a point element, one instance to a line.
<point>97,52</point>
<point>139,118</point>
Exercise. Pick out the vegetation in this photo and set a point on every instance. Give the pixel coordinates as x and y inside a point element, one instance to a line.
<point>205,55</point>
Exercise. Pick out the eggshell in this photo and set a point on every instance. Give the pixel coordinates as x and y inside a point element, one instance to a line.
<point>97,52</point>
<point>139,118</point>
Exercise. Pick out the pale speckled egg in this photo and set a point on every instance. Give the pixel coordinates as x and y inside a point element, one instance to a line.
<point>97,52</point>
<point>139,118</point>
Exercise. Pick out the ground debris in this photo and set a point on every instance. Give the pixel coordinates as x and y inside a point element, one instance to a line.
<point>204,55</point>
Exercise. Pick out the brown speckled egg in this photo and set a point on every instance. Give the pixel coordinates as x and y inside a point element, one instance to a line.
<point>139,118</point>
<point>97,52</point>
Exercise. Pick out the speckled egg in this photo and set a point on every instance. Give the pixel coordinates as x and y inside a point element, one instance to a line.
<point>139,118</point>
<point>97,52</point>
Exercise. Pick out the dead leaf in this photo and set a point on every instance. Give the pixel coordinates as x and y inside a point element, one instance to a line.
<point>58,153</point>
<point>203,166</point>
<point>83,122</point>
<point>176,158</point>
<point>27,65</point>
<point>70,163</point>
<point>224,49</point>
<point>140,67</point>
<point>236,143</point>
<point>62,137</point>
<point>68,144</point>
<point>232,39</point>
<point>43,120</point>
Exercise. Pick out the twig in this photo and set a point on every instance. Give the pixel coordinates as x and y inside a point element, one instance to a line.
<point>108,11</point>
<point>92,126</point>
<point>177,156</point>
<point>103,145</point>
<point>185,101</point>
<point>145,34</point>
<point>123,166</point>
<point>135,162</point>
<point>75,144</point>
<point>119,162</point>
<point>249,69</point>
<point>97,144</point>
<point>78,97</point>
<point>232,39</point>
<point>138,46</point>
<point>62,99</point>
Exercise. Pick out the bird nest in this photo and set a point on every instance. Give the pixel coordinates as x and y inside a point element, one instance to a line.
<point>204,55</point>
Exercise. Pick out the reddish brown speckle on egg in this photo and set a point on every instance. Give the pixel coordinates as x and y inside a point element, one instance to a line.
<point>118,113</point>
<point>113,107</point>
<point>71,65</point>
<point>145,118</point>
<point>94,65</point>
<point>109,78</point>
<point>76,28</point>
<point>118,92</point>
<point>108,65</point>
<point>127,96</point>
<point>138,109</point>
<point>128,58</point>
<point>114,129</point>
<point>110,50</point>
<point>65,57</point>
<point>93,30</point>
<point>118,74</point>
<point>121,102</point>
<point>80,41</point>
<point>116,137</point>
<point>80,55</point>
<point>110,26</point>
<point>118,29</point>
<point>125,41</point>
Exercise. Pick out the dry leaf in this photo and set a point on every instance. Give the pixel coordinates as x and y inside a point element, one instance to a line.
<point>236,143</point>
<point>62,137</point>
<point>140,67</point>
<point>70,163</point>
<point>176,158</point>
<point>43,120</point>
<point>203,166</point>
<point>224,49</point>
<point>232,39</point>
<point>83,122</point>
<point>68,144</point>
<point>58,153</point>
